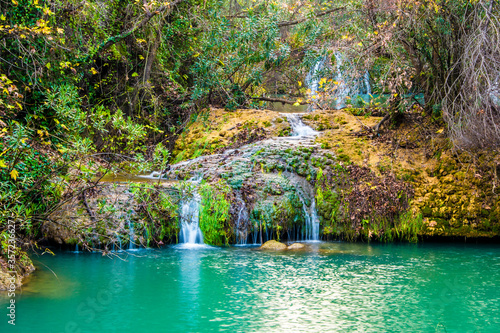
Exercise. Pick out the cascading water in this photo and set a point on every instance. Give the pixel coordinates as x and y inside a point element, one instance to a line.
<point>313,78</point>
<point>241,233</point>
<point>349,84</point>
<point>299,129</point>
<point>311,230</point>
<point>131,233</point>
<point>190,216</point>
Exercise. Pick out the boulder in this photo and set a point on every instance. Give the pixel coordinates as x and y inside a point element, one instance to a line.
<point>273,245</point>
<point>296,246</point>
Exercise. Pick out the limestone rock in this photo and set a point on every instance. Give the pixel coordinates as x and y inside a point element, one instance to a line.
<point>296,246</point>
<point>273,245</point>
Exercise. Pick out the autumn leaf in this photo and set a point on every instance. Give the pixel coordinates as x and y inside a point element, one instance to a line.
<point>2,164</point>
<point>14,174</point>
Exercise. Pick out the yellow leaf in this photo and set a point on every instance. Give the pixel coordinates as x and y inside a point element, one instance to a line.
<point>300,84</point>
<point>48,65</point>
<point>15,2</point>
<point>93,71</point>
<point>440,131</point>
<point>360,44</point>
<point>2,164</point>
<point>375,33</point>
<point>2,17</point>
<point>14,174</point>
<point>296,104</point>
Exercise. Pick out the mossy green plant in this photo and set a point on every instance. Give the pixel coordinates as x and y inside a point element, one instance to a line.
<point>214,213</point>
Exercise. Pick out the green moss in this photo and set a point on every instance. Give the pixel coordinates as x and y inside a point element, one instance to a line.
<point>214,213</point>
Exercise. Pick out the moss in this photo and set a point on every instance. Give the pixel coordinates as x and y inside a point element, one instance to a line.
<point>214,213</point>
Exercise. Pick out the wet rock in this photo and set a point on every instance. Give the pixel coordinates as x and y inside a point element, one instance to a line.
<point>296,246</point>
<point>273,245</point>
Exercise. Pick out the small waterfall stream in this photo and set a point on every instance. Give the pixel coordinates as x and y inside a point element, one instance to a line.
<point>131,233</point>
<point>311,228</point>
<point>190,218</point>
<point>241,233</point>
<point>299,129</point>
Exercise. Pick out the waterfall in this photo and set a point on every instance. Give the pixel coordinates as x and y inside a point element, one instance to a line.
<point>314,227</point>
<point>190,217</point>
<point>349,82</point>
<point>368,87</point>
<point>311,230</point>
<point>343,88</point>
<point>313,77</point>
<point>241,233</point>
<point>131,233</point>
<point>299,129</point>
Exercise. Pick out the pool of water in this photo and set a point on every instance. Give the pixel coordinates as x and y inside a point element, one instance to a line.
<point>332,287</point>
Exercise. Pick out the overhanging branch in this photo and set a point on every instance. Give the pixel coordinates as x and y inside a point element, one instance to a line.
<point>294,22</point>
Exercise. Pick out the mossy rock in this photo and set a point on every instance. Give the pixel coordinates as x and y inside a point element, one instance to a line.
<point>273,245</point>
<point>296,246</point>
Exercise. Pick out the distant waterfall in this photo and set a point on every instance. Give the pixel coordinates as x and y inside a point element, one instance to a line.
<point>190,218</point>
<point>313,77</point>
<point>349,84</point>
<point>298,127</point>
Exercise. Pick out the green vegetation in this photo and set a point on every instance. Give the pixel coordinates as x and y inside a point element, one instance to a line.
<point>214,213</point>
<point>159,211</point>
<point>89,88</point>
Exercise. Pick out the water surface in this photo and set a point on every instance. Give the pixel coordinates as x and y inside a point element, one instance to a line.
<point>335,287</point>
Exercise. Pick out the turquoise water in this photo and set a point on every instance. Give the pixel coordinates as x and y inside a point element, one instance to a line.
<point>334,287</point>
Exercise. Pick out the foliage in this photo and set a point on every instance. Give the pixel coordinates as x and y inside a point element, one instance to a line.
<point>214,213</point>
<point>159,211</point>
<point>355,204</point>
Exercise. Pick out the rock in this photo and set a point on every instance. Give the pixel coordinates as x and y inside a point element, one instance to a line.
<point>296,246</point>
<point>9,281</point>
<point>273,245</point>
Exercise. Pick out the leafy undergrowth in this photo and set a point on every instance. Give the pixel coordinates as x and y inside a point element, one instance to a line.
<point>455,192</point>
<point>356,204</point>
